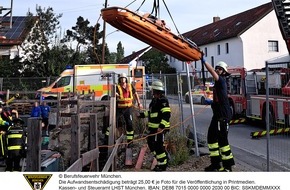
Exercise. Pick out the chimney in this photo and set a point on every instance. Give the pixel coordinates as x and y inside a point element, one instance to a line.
<point>216,18</point>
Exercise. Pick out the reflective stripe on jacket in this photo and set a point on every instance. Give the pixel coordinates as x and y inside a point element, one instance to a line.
<point>126,96</point>
<point>159,114</point>
<point>15,138</point>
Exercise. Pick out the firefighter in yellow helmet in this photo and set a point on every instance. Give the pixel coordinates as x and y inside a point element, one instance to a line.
<point>217,137</point>
<point>158,124</point>
<point>126,93</point>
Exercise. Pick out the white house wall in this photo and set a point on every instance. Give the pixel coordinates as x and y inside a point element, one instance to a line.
<point>256,50</point>
<point>250,50</point>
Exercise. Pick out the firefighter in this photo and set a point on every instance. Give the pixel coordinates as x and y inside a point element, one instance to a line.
<point>217,137</point>
<point>15,139</point>
<point>9,114</point>
<point>3,128</point>
<point>158,124</point>
<point>125,94</point>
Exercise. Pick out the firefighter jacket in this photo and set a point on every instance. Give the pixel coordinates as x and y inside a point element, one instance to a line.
<point>158,114</point>
<point>2,121</point>
<point>221,105</point>
<point>126,96</point>
<point>15,139</point>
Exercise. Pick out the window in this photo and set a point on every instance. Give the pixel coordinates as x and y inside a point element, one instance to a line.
<point>205,52</point>
<point>138,73</point>
<point>183,66</point>
<point>212,61</point>
<point>227,48</point>
<point>64,81</point>
<point>273,46</point>
<point>219,49</point>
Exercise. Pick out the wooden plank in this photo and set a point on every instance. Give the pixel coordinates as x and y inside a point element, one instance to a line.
<point>129,157</point>
<point>154,163</point>
<point>77,166</point>
<point>94,141</point>
<point>75,138</point>
<point>141,158</point>
<point>90,156</point>
<point>82,115</point>
<point>67,102</point>
<point>33,162</point>
<point>112,155</point>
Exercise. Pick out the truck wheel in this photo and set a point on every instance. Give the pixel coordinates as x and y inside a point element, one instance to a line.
<point>202,101</point>
<point>233,111</point>
<point>51,104</point>
<point>271,118</point>
<point>105,98</point>
<point>186,99</point>
<point>286,121</point>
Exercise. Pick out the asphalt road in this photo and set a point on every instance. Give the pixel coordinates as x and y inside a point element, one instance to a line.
<point>251,152</point>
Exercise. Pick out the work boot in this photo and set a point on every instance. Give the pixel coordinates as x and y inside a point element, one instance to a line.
<point>212,168</point>
<point>228,169</point>
<point>160,168</point>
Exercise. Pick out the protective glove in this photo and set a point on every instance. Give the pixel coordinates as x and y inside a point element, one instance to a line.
<point>203,59</point>
<point>6,123</point>
<point>208,101</point>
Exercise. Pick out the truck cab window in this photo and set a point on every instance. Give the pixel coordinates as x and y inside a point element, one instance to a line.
<point>64,81</point>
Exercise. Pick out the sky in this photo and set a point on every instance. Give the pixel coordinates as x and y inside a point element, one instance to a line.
<point>186,14</point>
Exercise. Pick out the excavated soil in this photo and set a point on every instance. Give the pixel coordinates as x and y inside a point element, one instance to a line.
<point>193,164</point>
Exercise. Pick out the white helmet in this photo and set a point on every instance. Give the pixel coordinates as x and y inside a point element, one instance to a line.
<point>123,75</point>
<point>157,85</point>
<point>222,65</point>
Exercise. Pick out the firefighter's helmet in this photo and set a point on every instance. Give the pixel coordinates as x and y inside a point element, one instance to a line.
<point>222,65</point>
<point>157,85</point>
<point>123,75</point>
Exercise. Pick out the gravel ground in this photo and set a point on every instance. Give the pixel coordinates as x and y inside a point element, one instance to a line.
<point>193,164</point>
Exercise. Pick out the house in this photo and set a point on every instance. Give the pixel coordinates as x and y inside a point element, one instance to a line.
<point>246,39</point>
<point>13,34</point>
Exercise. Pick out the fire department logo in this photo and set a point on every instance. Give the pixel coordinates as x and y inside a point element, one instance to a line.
<point>37,181</point>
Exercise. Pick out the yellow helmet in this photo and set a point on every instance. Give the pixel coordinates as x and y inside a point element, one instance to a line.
<point>157,85</point>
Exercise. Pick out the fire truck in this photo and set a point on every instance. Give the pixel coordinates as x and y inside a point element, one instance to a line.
<point>247,94</point>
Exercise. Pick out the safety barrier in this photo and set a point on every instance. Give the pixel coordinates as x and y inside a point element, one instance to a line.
<point>237,121</point>
<point>271,132</point>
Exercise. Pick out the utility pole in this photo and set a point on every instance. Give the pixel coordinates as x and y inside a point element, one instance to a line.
<point>9,11</point>
<point>104,36</point>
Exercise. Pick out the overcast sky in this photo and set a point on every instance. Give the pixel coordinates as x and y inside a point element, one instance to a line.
<point>187,14</point>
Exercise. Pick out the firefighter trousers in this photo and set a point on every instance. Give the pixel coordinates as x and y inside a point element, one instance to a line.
<point>217,139</point>
<point>156,146</point>
<point>13,163</point>
<point>127,114</point>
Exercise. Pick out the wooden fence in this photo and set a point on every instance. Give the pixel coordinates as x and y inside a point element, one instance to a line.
<point>77,161</point>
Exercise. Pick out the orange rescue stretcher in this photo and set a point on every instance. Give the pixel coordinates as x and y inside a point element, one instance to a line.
<point>152,31</point>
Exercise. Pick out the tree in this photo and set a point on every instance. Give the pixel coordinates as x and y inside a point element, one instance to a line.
<point>120,52</point>
<point>36,49</point>
<point>87,42</point>
<point>156,61</point>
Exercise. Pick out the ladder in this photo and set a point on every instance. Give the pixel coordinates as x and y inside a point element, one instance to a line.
<point>282,9</point>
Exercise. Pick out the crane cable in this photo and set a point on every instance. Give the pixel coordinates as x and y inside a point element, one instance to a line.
<point>156,8</point>
<point>171,18</point>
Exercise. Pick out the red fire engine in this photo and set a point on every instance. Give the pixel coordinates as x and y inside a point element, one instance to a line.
<point>247,94</point>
